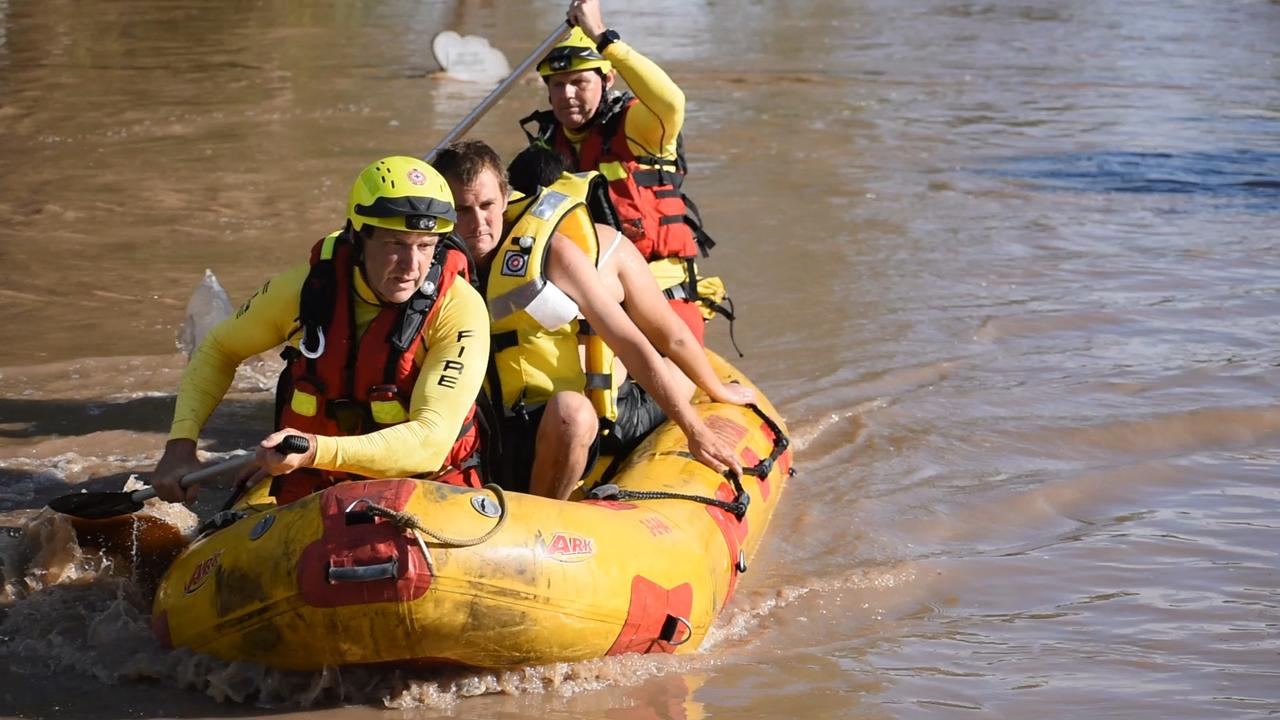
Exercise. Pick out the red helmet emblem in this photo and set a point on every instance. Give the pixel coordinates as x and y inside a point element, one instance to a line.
<point>416,177</point>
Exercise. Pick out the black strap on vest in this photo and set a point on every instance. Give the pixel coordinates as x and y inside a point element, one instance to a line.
<point>599,381</point>
<point>316,308</point>
<point>310,325</point>
<point>546,121</point>
<point>600,203</point>
<point>414,311</point>
<point>693,217</point>
<point>489,426</point>
<point>688,290</point>
<point>503,341</point>
<point>594,381</point>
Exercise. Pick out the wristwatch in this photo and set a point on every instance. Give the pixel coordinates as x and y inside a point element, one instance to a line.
<point>607,38</point>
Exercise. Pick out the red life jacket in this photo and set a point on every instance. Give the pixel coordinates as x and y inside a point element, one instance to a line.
<point>645,198</point>
<point>338,385</point>
<point>653,212</point>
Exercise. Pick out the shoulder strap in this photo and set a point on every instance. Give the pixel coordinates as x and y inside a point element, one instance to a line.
<point>319,291</point>
<point>610,115</point>
<point>610,119</point>
<point>600,203</point>
<point>446,266</point>
<point>547,124</point>
<point>468,271</point>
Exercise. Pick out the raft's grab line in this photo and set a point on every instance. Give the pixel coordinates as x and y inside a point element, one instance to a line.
<point>408,521</point>
<point>737,508</point>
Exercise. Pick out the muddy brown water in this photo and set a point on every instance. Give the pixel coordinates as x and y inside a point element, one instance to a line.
<point>1009,270</point>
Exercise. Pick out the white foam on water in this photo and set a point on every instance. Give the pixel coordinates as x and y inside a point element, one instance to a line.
<point>737,624</point>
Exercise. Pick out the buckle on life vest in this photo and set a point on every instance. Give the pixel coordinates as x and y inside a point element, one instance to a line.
<point>348,415</point>
<point>385,405</point>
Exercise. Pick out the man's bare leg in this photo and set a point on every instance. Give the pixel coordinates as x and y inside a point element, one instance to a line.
<point>569,426</point>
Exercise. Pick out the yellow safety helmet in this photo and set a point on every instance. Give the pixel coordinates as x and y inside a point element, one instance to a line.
<point>576,52</point>
<point>401,193</point>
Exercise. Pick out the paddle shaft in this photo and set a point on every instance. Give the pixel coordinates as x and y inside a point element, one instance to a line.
<point>291,445</point>
<point>199,476</point>
<point>496,94</point>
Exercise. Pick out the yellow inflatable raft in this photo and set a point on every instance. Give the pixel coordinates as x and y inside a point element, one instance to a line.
<point>413,571</point>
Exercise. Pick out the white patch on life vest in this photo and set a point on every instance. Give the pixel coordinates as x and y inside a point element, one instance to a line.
<point>547,204</point>
<point>515,263</point>
<point>552,308</point>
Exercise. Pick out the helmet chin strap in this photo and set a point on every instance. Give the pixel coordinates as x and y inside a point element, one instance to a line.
<point>607,80</point>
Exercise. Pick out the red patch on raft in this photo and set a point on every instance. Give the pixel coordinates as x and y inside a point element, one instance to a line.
<point>366,541</point>
<point>651,615</point>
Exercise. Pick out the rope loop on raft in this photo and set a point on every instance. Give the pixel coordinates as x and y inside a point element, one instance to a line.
<point>409,521</point>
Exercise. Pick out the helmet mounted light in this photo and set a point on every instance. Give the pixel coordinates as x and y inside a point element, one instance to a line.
<point>577,52</point>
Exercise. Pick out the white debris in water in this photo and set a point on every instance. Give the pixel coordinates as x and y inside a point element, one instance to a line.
<point>469,58</point>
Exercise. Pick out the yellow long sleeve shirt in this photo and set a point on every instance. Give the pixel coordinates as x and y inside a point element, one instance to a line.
<point>459,334</point>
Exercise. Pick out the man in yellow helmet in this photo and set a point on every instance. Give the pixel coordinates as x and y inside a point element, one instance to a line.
<point>386,348</point>
<point>536,258</point>
<point>633,140</point>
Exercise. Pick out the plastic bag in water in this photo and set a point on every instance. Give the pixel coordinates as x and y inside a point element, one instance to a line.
<point>208,306</point>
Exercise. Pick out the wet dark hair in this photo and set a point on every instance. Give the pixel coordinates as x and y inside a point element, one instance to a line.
<point>462,162</point>
<point>535,166</point>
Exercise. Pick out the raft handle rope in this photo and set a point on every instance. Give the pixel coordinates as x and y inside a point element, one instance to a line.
<point>737,508</point>
<point>409,521</point>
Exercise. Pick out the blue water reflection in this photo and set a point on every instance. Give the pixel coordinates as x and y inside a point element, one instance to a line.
<point>1247,175</point>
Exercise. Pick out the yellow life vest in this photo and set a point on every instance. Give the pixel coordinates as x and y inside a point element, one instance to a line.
<point>535,326</point>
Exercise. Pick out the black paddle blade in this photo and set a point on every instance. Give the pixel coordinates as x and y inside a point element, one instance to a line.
<point>96,505</point>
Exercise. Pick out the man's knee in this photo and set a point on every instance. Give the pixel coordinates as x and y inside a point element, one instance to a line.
<point>570,416</point>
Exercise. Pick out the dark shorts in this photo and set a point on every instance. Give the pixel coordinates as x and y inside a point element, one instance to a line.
<point>638,415</point>
<point>519,435</point>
